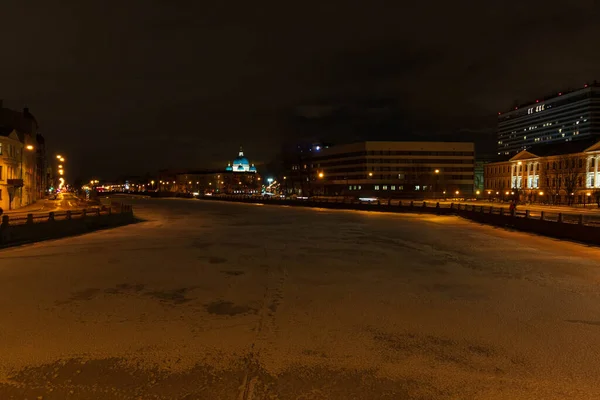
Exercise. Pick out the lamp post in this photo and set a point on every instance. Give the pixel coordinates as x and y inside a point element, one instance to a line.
<point>436,183</point>
<point>28,148</point>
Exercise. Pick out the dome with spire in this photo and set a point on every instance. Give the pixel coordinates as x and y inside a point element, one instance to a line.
<point>241,164</point>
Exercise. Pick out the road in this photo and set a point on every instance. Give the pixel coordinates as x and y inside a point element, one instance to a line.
<point>212,300</point>
<point>63,202</point>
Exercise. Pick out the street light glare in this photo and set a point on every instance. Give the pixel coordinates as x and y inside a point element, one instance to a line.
<point>59,157</point>
<point>29,147</point>
<point>321,175</point>
<point>437,171</point>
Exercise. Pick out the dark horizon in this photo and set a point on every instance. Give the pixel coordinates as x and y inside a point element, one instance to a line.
<point>153,85</point>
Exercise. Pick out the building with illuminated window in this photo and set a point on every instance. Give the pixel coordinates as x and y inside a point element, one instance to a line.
<point>560,117</point>
<point>550,173</point>
<point>22,159</point>
<point>395,169</point>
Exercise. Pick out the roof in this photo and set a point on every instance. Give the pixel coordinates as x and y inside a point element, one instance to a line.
<point>561,148</point>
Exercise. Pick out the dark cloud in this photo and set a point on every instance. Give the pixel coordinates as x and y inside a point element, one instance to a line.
<point>141,85</point>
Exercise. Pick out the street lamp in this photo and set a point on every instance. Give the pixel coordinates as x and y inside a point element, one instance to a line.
<point>321,175</point>
<point>59,156</point>
<point>437,171</point>
<point>370,174</point>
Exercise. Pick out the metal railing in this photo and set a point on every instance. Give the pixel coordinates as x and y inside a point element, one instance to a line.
<point>422,206</point>
<point>39,217</point>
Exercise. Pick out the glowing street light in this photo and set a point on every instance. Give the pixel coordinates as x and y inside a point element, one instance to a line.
<point>370,174</point>
<point>59,156</point>
<point>29,147</point>
<point>62,159</point>
<point>477,193</point>
<point>437,171</point>
<point>457,192</point>
<point>321,175</point>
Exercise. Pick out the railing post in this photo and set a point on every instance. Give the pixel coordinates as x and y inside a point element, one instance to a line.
<point>437,205</point>
<point>51,216</point>
<point>491,209</point>
<point>452,206</point>
<point>526,213</point>
<point>30,218</point>
<point>83,213</point>
<point>98,211</point>
<point>424,204</point>
<point>69,214</point>
<point>560,219</point>
<point>542,216</point>
<point>5,220</point>
<point>412,204</point>
<point>580,219</point>
<point>481,209</point>
<point>502,211</point>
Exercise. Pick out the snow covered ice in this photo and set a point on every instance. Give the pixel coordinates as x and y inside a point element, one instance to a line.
<point>213,300</point>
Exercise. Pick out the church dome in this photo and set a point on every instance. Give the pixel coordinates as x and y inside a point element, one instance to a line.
<point>240,164</point>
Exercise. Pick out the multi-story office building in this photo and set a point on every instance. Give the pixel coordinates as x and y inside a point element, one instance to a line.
<point>395,169</point>
<point>556,173</point>
<point>561,117</point>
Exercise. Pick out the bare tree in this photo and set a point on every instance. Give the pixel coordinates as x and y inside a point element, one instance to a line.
<point>554,177</point>
<point>571,175</point>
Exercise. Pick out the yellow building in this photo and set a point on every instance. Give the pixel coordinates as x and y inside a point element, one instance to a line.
<point>563,173</point>
<point>17,169</point>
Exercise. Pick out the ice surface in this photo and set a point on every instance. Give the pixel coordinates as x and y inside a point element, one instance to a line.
<point>211,300</point>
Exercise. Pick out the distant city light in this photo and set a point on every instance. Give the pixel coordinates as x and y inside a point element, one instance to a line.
<point>270,180</point>
<point>318,148</point>
<point>29,147</point>
<point>321,175</point>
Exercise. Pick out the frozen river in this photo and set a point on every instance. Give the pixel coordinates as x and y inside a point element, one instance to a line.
<point>210,300</point>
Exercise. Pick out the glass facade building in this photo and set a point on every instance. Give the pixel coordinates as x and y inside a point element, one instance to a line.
<point>563,117</point>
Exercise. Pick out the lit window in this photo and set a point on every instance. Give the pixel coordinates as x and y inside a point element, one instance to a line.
<point>359,187</point>
<point>400,187</point>
<point>385,187</point>
<point>393,187</point>
<point>418,187</point>
<point>349,187</point>
<point>376,187</point>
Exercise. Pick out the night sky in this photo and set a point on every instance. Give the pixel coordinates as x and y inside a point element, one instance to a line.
<point>134,86</point>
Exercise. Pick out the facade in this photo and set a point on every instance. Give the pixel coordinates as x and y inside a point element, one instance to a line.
<point>299,171</point>
<point>22,157</point>
<point>217,182</point>
<point>561,117</point>
<point>395,169</point>
<point>559,173</point>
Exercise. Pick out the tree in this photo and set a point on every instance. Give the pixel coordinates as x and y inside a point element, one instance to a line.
<point>571,175</point>
<point>554,177</point>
